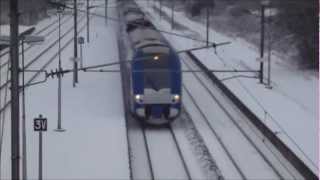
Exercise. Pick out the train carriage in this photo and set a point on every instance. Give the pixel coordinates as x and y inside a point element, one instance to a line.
<point>155,69</point>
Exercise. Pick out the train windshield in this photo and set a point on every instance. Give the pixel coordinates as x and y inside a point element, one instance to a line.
<point>156,67</point>
<point>156,61</point>
<point>156,71</point>
<point>156,57</point>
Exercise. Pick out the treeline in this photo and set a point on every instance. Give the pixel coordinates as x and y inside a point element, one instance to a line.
<point>31,11</point>
<point>294,25</point>
<point>301,19</point>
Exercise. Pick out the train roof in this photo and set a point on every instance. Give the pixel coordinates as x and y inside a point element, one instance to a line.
<point>133,17</point>
<point>132,10</point>
<point>143,36</point>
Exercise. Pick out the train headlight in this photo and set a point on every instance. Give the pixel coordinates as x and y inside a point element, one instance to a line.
<point>138,98</point>
<point>155,57</point>
<point>176,98</point>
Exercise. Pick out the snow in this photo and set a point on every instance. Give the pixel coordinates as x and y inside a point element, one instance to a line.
<point>165,159</point>
<point>5,29</point>
<point>289,108</point>
<point>94,145</point>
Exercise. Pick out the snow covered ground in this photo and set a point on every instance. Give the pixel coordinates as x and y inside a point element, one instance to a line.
<point>290,108</point>
<point>94,144</point>
<point>5,29</point>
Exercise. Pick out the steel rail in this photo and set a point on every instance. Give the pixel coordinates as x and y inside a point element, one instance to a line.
<point>2,110</point>
<point>147,150</point>
<point>29,47</point>
<point>125,77</point>
<point>36,33</point>
<point>210,165</point>
<point>215,133</point>
<point>179,151</point>
<point>271,136</point>
<point>234,122</point>
<point>125,87</point>
<point>42,53</point>
<point>124,83</point>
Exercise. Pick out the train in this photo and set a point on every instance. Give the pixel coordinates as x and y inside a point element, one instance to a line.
<point>155,68</point>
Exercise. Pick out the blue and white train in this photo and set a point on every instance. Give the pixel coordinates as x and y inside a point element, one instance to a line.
<point>155,68</point>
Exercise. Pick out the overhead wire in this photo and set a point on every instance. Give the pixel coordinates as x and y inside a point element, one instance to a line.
<point>259,103</point>
<point>119,20</point>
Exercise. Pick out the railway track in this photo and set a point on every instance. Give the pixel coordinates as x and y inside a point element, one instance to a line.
<point>146,154</point>
<point>218,135</point>
<point>162,153</point>
<point>42,53</point>
<point>64,44</point>
<point>39,32</point>
<point>245,147</point>
<point>238,146</point>
<point>30,47</point>
<point>280,159</point>
<point>168,163</point>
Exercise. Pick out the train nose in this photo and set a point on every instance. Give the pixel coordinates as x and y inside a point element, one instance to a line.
<point>154,111</point>
<point>157,111</point>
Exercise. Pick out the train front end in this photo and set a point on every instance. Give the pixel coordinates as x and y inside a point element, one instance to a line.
<point>156,78</point>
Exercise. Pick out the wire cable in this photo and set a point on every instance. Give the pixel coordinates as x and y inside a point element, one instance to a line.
<point>256,100</point>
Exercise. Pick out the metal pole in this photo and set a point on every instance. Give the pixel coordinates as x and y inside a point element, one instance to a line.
<point>269,55</point>
<point>40,155</point>
<point>106,11</point>
<point>1,121</point>
<point>15,112</point>
<point>59,41</point>
<point>207,26</point>
<point>160,13</point>
<point>269,67</point>
<point>262,42</point>
<point>75,65</point>
<point>88,9</point>
<point>24,139</point>
<point>172,14</point>
<point>59,128</point>
<point>81,56</point>
<point>59,79</point>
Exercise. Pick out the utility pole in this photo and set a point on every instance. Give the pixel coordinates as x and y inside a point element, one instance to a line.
<point>160,12</point>
<point>81,42</point>
<point>88,9</point>
<point>106,11</point>
<point>207,25</point>
<point>75,44</point>
<point>269,52</point>
<point>40,175</point>
<point>172,13</point>
<point>59,128</point>
<point>24,139</point>
<point>15,113</point>
<point>0,90</point>
<point>262,41</point>
<point>40,125</point>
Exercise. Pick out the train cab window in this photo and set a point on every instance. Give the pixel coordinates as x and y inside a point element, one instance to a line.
<point>155,48</point>
<point>156,61</point>
<point>157,56</point>
<point>156,71</point>
<point>156,66</point>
